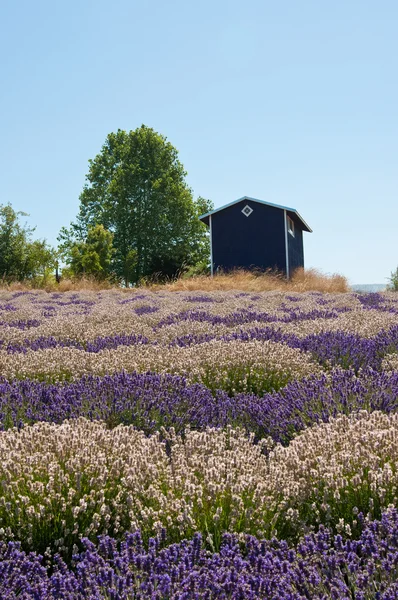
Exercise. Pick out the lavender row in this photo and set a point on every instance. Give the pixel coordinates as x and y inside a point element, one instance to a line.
<point>21,324</point>
<point>238,318</point>
<point>150,401</point>
<point>244,316</point>
<point>100,343</point>
<point>321,566</point>
<point>81,479</point>
<point>329,348</point>
<point>234,319</point>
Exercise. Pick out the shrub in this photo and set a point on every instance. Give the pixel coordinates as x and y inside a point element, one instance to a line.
<point>393,285</point>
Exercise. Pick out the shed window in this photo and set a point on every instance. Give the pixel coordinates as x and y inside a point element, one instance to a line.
<point>247,210</point>
<point>290,225</point>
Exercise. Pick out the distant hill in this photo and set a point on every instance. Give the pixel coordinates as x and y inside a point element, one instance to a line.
<point>369,287</point>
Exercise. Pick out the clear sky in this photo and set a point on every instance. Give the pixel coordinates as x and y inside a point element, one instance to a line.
<point>290,101</point>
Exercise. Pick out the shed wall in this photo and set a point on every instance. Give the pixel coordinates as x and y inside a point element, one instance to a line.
<point>248,242</point>
<point>295,249</point>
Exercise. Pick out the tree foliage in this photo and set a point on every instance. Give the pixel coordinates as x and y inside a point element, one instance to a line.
<point>393,285</point>
<point>91,257</point>
<point>20,257</point>
<point>136,189</point>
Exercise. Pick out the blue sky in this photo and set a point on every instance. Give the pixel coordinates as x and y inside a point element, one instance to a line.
<point>293,102</point>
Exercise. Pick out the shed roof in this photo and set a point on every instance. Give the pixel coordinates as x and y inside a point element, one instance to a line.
<point>293,211</point>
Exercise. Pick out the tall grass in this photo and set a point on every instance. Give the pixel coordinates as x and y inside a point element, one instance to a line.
<point>301,281</point>
<point>65,285</point>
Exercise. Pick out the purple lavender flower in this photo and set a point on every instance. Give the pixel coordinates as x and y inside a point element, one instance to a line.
<point>150,401</point>
<point>146,309</point>
<point>321,566</point>
<point>98,344</point>
<point>200,298</point>
<point>21,323</point>
<point>8,307</point>
<point>134,298</point>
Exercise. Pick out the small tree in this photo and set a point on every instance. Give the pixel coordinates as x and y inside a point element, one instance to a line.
<point>14,240</point>
<point>41,262</point>
<point>91,257</point>
<point>20,258</point>
<point>393,285</point>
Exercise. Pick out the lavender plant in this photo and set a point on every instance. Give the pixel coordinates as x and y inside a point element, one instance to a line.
<point>79,479</point>
<point>320,566</point>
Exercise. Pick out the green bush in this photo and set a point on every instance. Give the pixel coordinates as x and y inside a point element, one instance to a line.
<point>201,268</point>
<point>393,285</point>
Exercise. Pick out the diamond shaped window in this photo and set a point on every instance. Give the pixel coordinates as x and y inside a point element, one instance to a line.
<point>247,210</point>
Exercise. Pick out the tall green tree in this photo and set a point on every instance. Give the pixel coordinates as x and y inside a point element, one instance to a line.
<point>136,189</point>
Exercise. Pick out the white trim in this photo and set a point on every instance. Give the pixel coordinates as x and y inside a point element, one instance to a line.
<point>247,210</point>
<point>211,247</point>
<point>286,245</point>
<point>290,225</point>
<point>293,210</point>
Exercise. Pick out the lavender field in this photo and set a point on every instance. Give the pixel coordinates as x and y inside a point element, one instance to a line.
<point>184,445</point>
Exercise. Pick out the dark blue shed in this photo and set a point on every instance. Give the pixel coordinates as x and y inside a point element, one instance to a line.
<point>250,233</point>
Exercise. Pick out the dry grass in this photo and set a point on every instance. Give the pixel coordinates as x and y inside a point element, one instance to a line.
<point>301,281</point>
<point>65,285</point>
<point>313,280</point>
